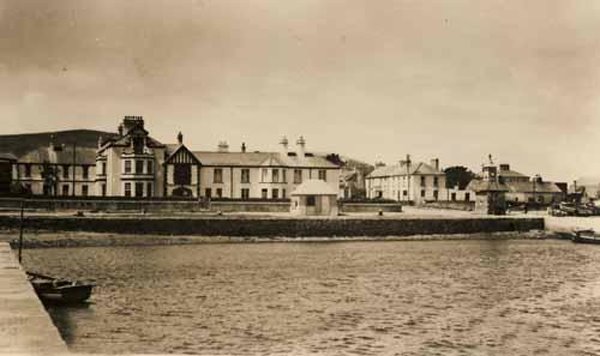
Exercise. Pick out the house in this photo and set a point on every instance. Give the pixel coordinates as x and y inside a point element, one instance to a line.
<point>409,181</point>
<point>490,191</point>
<point>522,188</point>
<point>314,197</point>
<point>133,164</point>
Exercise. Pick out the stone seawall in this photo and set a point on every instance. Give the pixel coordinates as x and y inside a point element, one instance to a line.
<point>25,327</point>
<point>272,226</point>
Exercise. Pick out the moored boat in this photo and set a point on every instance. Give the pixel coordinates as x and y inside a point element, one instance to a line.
<point>585,236</point>
<point>61,291</point>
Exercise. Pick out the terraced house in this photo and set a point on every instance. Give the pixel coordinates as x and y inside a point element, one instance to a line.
<point>131,163</point>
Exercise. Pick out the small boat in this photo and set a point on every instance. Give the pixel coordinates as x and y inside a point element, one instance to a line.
<point>587,236</point>
<point>60,291</point>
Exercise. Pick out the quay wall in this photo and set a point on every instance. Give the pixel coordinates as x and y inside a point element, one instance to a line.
<point>290,227</point>
<point>25,326</point>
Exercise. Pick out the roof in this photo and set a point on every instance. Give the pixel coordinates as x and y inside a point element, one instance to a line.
<point>63,155</point>
<point>511,174</point>
<point>401,169</point>
<point>528,187</point>
<point>480,185</point>
<point>7,156</point>
<point>314,187</point>
<point>210,158</point>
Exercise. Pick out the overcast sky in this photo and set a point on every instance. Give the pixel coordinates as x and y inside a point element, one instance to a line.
<point>452,79</point>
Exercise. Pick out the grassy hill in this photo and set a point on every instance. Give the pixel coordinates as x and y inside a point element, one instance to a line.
<point>23,143</point>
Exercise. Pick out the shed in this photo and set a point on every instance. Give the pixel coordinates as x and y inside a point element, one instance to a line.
<point>314,197</point>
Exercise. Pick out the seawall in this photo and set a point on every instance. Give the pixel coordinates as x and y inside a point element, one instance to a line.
<point>25,327</point>
<point>276,226</point>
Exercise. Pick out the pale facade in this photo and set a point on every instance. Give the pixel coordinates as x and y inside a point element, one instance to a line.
<point>408,181</point>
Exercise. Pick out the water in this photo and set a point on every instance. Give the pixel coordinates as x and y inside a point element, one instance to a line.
<point>356,298</point>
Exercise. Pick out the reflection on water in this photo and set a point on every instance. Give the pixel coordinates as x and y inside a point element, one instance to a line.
<point>368,298</point>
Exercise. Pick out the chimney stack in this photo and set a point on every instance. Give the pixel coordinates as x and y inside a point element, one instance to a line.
<point>435,163</point>
<point>504,167</point>
<point>223,147</point>
<point>243,147</point>
<point>301,143</point>
<point>284,145</point>
<point>100,141</point>
<point>180,138</point>
<point>120,129</point>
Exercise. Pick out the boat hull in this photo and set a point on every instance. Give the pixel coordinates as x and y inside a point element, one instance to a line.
<point>586,238</point>
<point>54,290</point>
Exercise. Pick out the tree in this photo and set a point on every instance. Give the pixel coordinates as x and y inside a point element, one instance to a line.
<point>458,176</point>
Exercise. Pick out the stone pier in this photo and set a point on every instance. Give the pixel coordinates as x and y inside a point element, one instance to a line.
<point>25,326</point>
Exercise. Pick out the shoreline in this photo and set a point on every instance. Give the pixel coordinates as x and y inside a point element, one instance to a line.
<point>69,239</point>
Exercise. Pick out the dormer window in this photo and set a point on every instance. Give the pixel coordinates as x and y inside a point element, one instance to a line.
<point>138,145</point>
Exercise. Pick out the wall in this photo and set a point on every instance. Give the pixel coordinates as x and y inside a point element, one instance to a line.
<point>223,226</point>
<point>370,207</point>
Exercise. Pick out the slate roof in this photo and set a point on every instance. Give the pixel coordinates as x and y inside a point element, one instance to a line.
<point>480,185</point>
<point>314,187</point>
<point>511,174</point>
<point>400,169</point>
<point>6,156</point>
<point>528,187</point>
<point>211,158</point>
<point>83,155</point>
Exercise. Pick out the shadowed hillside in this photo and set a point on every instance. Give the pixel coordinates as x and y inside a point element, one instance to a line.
<point>23,143</point>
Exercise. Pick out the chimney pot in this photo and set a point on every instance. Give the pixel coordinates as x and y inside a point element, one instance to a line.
<point>243,147</point>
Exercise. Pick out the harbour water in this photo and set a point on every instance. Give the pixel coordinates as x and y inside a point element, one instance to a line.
<point>512,297</point>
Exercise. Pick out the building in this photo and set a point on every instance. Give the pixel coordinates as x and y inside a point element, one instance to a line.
<point>522,188</point>
<point>408,181</point>
<point>314,197</point>
<point>133,164</point>
<point>490,191</point>
<point>7,162</point>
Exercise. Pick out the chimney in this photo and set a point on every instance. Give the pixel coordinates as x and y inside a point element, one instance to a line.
<point>379,164</point>
<point>301,143</point>
<point>435,163</point>
<point>131,122</point>
<point>284,145</point>
<point>180,138</point>
<point>100,141</point>
<point>504,167</point>
<point>243,147</point>
<point>223,147</point>
<point>120,129</point>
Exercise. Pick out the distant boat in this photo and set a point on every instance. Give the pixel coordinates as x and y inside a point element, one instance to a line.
<point>585,236</point>
<point>60,291</point>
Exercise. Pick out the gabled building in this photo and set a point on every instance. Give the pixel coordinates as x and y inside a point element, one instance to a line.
<point>409,181</point>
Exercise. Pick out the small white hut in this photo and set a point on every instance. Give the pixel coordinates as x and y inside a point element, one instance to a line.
<point>314,197</point>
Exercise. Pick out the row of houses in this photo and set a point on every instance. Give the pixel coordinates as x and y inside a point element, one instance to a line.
<point>421,182</point>
<point>133,164</point>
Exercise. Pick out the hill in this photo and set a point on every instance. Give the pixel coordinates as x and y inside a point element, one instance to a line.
<point>23,143</point>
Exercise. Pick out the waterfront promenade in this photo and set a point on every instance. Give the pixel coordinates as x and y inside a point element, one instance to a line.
<point>25,327</point>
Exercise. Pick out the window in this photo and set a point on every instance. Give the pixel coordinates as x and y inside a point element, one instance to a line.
<point>65,189</point>
<point>138,145</point>
<point>150,167</point>
<point>435,195</point>
<point>207,193</point>
<point>182,174</point>
<point>297,176</point>
<point>139,167</point>
<point>139,189</point>
<point>405,192</point>
<point>84,190</point>
<point>422,181</point>
<point>283,193</point>
<point>275,194</point>
<point>467,196</point>
<point>149,190</point>
<point>28,187</point>
<point>322,174</point>
<point>219,192</point>
<point>65,171</point>
<point>284,175</point>
<point>275,178</point>
<point>103,170</point>
<point>245,175</point>
<point>264,193</point>
<point>103,190</point>
<point>453,196</point>
<point>422,193</point>
<point>86,172</point>
<point>127,166</point>
<point>311,200</point>
<point>435,181</point>
<point>127,189</point>
<point>245,193</point>
<point>264,174</point>
<point>27,170</point>
<point>218,175</point>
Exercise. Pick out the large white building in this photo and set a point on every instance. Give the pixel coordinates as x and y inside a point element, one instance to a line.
<point>408,181</point>
<point>133,164</point>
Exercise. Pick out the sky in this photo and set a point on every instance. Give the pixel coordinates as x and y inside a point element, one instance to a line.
<point>374,80</point>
